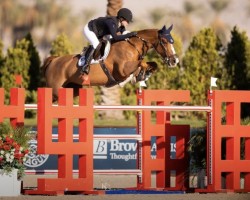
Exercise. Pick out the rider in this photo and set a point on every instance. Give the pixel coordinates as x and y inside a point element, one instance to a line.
<point>111,25</point>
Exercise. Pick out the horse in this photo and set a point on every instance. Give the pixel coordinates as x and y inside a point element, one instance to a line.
<point>124,59</point>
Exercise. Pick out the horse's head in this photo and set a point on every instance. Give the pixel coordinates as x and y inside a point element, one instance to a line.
<point>165,46</point>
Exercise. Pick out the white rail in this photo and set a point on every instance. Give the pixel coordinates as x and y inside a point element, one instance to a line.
<point>96,172</point>
<point>121,136</point>
<point>108,136</point>
<point>139,108</point>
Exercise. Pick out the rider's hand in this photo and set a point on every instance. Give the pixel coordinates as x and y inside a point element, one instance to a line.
<point>132,34</point>
<point>122,29</point>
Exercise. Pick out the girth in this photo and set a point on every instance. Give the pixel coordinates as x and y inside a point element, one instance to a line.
<point>111,80</point>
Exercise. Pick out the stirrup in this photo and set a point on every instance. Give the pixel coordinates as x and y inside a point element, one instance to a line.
<point>85,68</point>
<point>81,61</point>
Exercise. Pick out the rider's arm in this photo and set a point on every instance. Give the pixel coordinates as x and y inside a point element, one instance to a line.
<point>112,29</point>
<point>121,29</point>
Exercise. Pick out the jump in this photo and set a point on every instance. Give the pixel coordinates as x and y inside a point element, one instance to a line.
<point>124,58</point>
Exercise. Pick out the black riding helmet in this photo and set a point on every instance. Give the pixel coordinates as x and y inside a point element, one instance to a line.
<point>126,14</point>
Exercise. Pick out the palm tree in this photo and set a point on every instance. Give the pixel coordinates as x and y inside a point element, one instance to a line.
<point>111,96</point>
<point>113,6</point>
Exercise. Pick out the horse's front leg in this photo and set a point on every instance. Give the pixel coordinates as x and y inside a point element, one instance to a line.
<point>127,72</point>
<point>137,67</point>
<point>137,71</point>
<point>147,68</point>
<point>130,67</point>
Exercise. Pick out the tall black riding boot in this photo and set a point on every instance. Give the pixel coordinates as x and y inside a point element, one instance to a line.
<point>89,57</point>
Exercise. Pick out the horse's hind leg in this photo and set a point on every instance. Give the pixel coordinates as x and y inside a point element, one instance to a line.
<point>54,94</point>
<point>55,89</point>
<point>75,87</point>
<point>75,91</point>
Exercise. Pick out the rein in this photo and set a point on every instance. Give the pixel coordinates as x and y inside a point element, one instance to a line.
<point>141,56</point>
<point>145,42</point>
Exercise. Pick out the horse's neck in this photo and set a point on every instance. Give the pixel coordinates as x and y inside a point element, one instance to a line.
<point>150,35</point>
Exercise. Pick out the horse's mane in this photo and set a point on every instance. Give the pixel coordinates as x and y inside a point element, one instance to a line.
<point>147,33</point>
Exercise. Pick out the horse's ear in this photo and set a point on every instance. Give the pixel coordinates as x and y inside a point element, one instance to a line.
<point>163,30</point>
<point>170,28</point>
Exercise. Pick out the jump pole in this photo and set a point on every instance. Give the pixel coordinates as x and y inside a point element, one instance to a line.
<point>139,108</point>
<point>137,137</point>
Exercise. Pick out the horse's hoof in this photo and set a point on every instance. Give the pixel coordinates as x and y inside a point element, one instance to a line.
<point>133,80</point>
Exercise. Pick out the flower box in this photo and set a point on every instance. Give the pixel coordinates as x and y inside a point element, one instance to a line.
<point>14,148</point>
<point>9,184</point>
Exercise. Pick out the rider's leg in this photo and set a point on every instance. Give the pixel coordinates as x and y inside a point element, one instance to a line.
<point>88,58</point>
<point>91,36</point>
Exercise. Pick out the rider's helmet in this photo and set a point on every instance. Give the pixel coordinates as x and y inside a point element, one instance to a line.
<point>126,14</point>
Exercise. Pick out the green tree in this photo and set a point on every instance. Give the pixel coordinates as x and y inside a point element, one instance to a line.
<point>237,65</point>
<point>16,63</point>
<point>201,61</point>
<point>35,63</point>
<point>61,46</point>
<point>1,49</point>
<point>237,61</point>
<point>1,53</point>
<point>1,58</point>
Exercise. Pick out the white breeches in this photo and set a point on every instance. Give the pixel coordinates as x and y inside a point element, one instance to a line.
<point>91,36</point>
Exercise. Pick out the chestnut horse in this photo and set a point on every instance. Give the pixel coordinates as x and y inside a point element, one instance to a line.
<point>125,58</point>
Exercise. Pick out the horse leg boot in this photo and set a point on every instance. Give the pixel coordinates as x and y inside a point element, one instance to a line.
<point>140,76</point>
<point>89,57</point>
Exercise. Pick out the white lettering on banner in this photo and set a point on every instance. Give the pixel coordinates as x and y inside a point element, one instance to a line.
<point>154,147</point>
<point>100,149</point>
<point>122,146</point>
<point>34,159</point>
<point>125,157</point>
<point>116,145</point>
<point>100,146</point>
<point>173,147</point>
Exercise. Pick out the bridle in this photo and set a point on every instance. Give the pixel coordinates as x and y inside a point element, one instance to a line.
<point>160,42</point>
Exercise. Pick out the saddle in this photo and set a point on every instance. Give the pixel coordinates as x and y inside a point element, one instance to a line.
<point>101,53</point>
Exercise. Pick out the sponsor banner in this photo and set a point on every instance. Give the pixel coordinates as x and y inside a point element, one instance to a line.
<point>108,153</point>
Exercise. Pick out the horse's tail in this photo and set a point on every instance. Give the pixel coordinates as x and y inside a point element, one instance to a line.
<point>46,63</point>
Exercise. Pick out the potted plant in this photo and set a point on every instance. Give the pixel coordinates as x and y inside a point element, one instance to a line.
<point>14,149</point>
<point>197,148</point>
